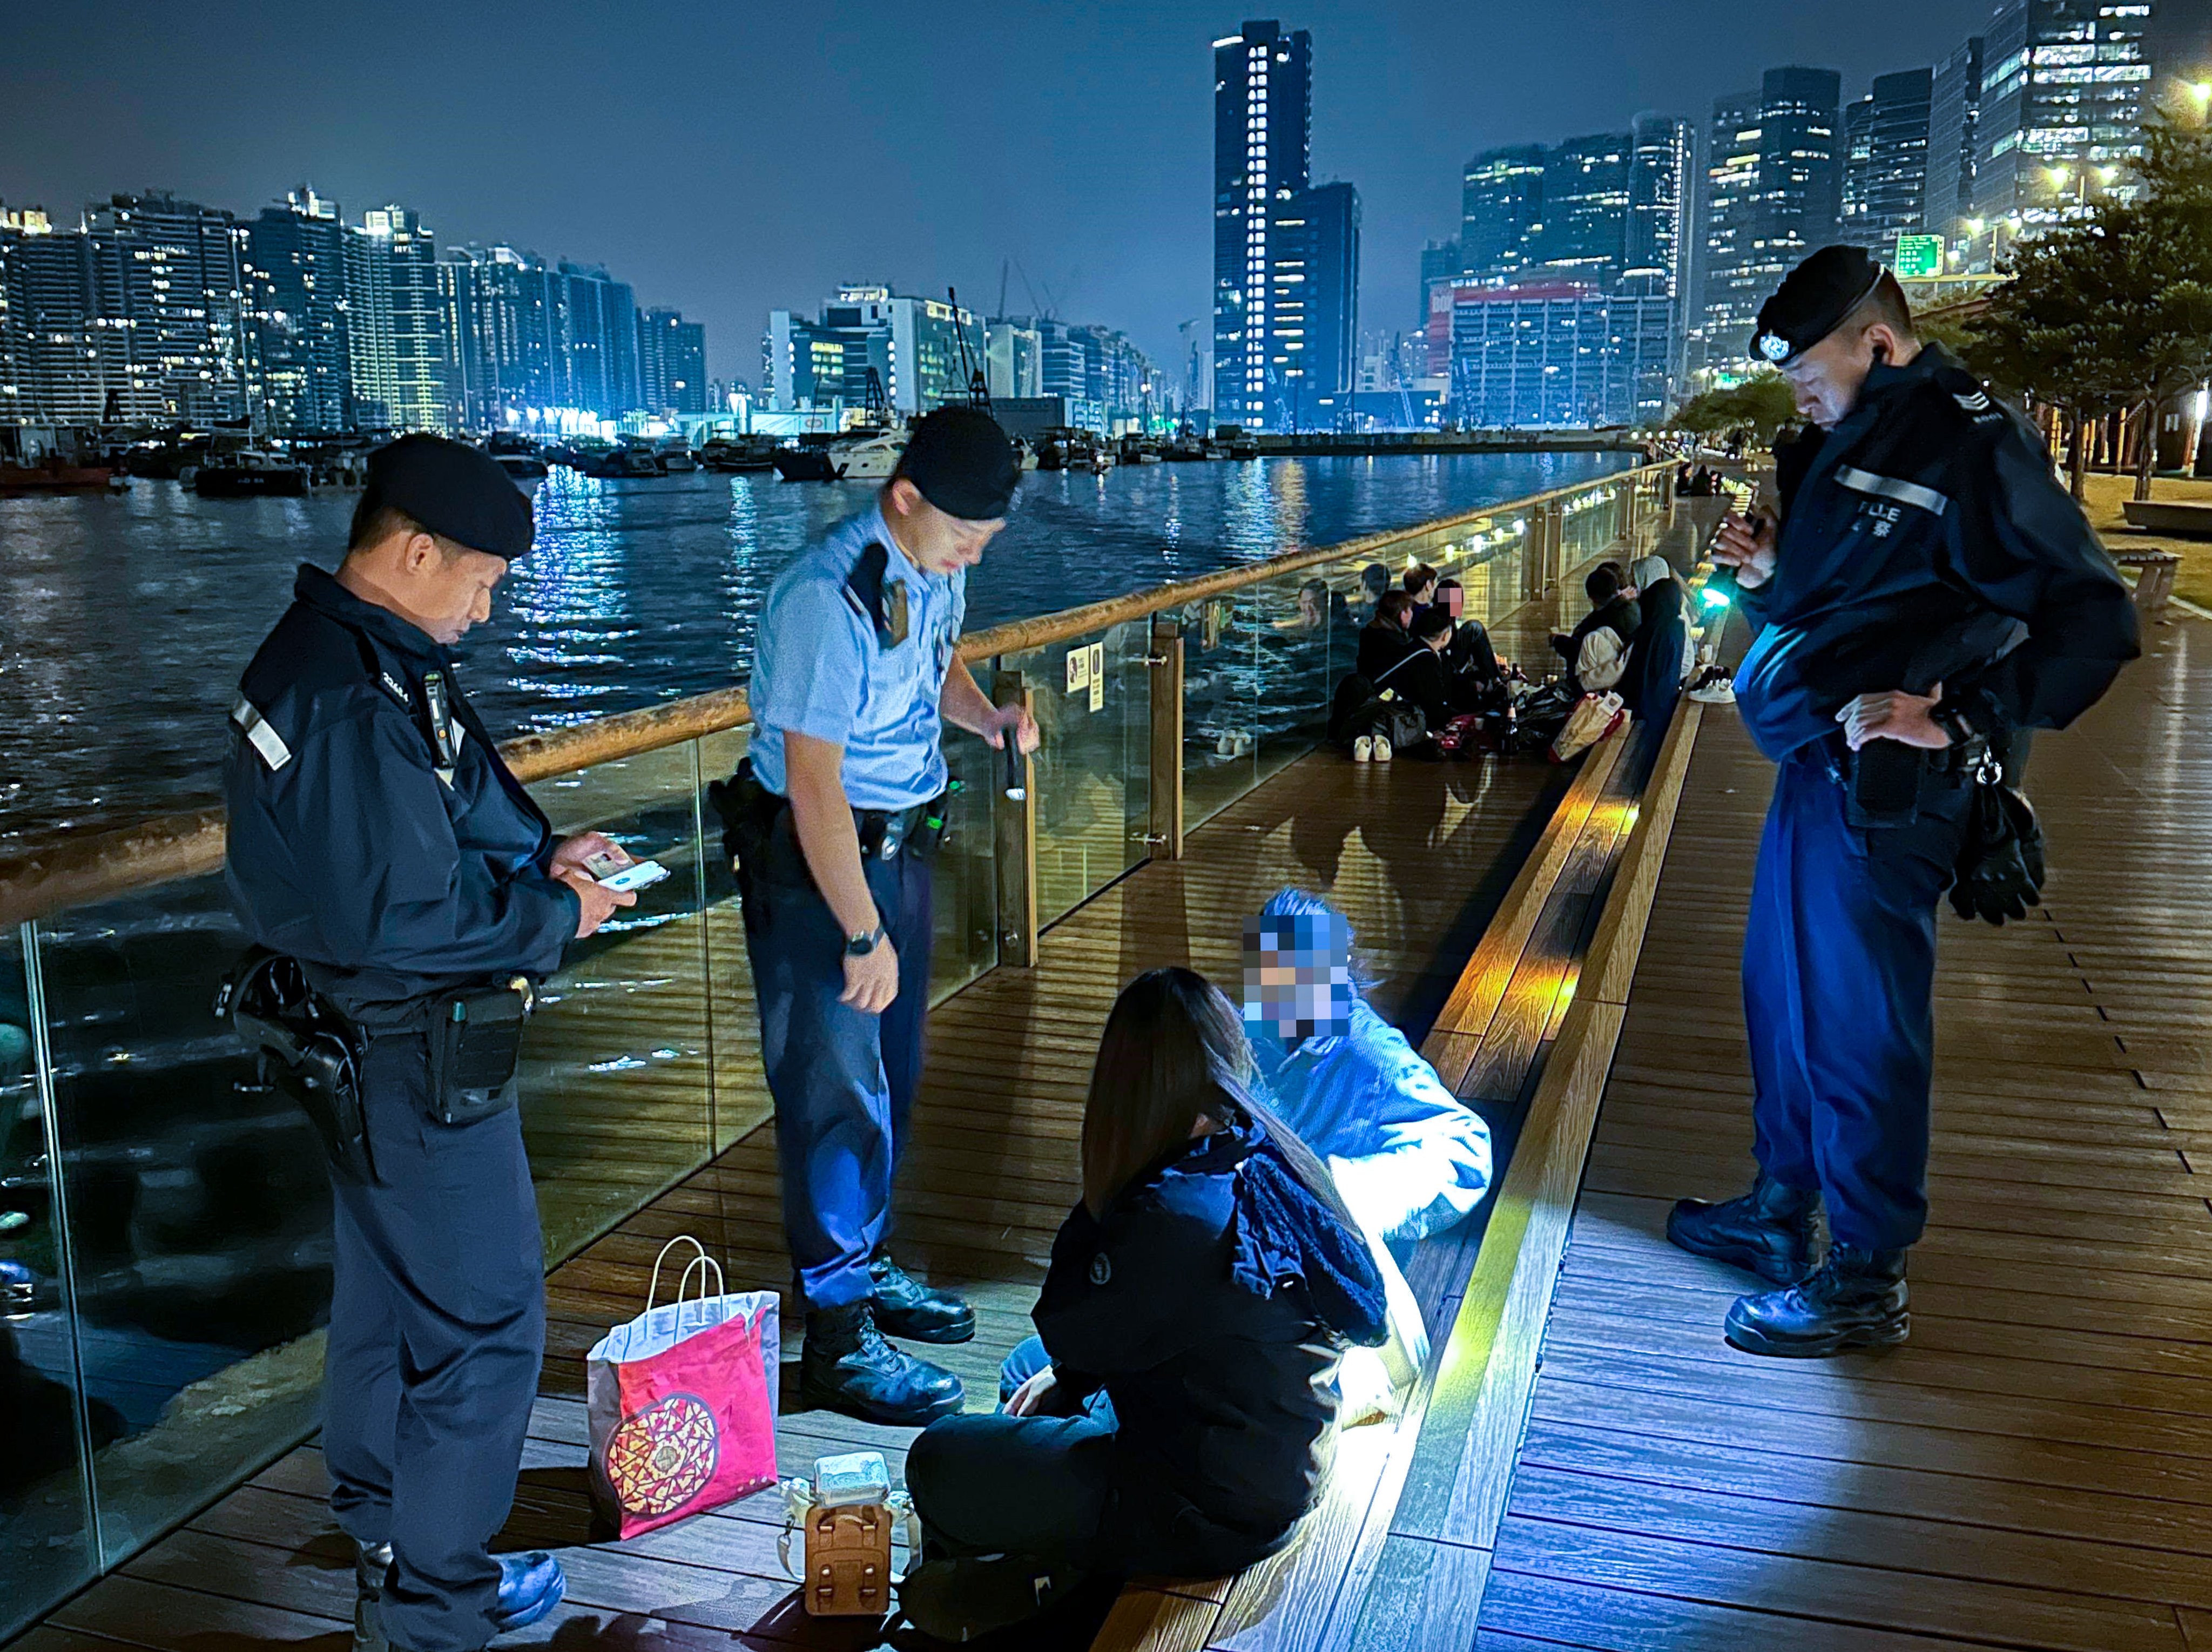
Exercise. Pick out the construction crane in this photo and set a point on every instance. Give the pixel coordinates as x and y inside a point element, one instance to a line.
<point>979,387</point>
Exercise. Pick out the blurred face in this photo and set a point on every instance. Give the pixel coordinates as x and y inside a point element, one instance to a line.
<point>1454,599</point>
<point>1297,977</point>
<point>934,542</point>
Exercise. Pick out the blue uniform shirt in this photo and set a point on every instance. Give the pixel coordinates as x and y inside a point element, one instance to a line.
<point>349,849</point>
<point>822,671</point>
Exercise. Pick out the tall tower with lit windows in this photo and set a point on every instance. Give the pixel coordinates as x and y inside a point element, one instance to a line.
<point>1262,139</point>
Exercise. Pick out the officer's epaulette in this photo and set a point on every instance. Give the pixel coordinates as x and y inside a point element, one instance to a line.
<point>864,590</point>
<point>1968,394</point>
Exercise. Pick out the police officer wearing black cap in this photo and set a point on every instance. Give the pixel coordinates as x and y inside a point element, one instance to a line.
<point>832,820</point>
<point>1928,593</point>
<point>376,838</point>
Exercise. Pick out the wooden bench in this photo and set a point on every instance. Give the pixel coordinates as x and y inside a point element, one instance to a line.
<point>2155,571</point>
<point>1397,1554</point>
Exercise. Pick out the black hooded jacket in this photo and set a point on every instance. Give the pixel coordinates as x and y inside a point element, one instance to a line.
<point>1212,1302</point>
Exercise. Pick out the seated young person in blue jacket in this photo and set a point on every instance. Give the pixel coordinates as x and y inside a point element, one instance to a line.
<point>1175,1413</point>
<point>1408,1157</point>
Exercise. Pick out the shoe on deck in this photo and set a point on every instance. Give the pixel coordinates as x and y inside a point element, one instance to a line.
<point>847,1366</point>
<point>1857,1299</point>
<point>530,1586</point>
<point>1768,1231</point>
<point>907,1308</point>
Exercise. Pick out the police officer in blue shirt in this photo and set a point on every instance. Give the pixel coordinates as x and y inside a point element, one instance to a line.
<point>378,843</point>
<point>832,823</point>
<point>1929,594</point>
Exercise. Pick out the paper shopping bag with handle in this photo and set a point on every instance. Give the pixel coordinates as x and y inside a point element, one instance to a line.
<point>682,1401</point>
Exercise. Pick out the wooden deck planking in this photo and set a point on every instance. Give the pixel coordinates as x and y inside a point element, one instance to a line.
<point>640,1057</point>
<point>2032,1469</point>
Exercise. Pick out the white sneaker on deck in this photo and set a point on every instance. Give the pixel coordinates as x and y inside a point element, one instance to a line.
<point>1381,748</point>
<point>1363,749</point>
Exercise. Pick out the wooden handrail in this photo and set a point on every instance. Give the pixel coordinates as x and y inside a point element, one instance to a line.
<point>77,870</point>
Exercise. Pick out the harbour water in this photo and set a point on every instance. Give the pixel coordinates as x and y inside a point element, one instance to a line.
<point>124,621</point>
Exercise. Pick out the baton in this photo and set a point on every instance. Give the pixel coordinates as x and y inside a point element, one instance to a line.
<point>1017,791</point>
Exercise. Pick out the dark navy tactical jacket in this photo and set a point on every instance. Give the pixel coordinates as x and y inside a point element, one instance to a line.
<point>1925,540</point>
<point>350,848</point>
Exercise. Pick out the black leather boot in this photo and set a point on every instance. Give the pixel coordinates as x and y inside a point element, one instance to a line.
<point>372,1568</point>
<point>1857,1299</point>
<point>1768,1231</point>
<point>907,1308</point>
<point>847,1366</point>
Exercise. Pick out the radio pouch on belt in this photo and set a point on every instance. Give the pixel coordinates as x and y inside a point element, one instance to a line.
<point>305,1049</point>
<point>475,1040</point>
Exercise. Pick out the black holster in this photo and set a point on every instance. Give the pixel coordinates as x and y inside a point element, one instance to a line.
<point>306,1048</point>
<point>747,810</point>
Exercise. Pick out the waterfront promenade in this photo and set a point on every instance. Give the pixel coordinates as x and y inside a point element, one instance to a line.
<point>2029,1471</point>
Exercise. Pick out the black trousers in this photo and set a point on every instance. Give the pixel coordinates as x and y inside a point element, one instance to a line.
<point>437,1330</point>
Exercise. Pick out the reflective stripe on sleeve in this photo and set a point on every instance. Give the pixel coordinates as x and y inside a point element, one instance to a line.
<point>265,739</point>
<point>1890,487</point>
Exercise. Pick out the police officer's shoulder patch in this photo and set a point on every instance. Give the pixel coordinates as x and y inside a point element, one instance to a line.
<point>1968,398</point>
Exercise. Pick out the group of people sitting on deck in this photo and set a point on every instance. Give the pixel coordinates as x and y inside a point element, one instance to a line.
<point>1226,1295</point>
<point>1420,646</point>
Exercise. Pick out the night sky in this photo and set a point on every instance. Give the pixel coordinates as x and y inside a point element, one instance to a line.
<point>732,159</point>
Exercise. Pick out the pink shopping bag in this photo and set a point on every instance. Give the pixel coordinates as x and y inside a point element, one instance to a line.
<point>682,1401</point>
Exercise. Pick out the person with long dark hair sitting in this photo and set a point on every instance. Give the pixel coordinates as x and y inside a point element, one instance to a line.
<point>1384,640</point>
<point>1176,1411</point>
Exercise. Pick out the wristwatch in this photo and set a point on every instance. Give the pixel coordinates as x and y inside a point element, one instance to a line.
<point>859,946</point>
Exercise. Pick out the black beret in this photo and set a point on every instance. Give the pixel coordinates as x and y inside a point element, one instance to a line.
<point>1813,301</point>
<point>456,491</point>
<point>963,462</point>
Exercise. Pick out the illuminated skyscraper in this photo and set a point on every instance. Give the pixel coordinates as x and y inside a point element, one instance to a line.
<point>1954,116</point>
<point>2063,97</point>
<point>56,370</point>
<point>1656,259</point>
<point>1773,193</point>
<point>395,323</point>
<point>168,325</point>
<point>672,363</point>
<point>1501,212</point>
<point>1313,325</point>
<point>295,282</point>
<point>1263,143</point>
<point>1584,233</point>
<point>1886,153</point>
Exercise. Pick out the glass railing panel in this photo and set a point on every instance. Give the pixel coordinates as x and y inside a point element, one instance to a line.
<point>1092,698</point>
<point>47,1544</point>
<point>615,1084</point>
<point>1221,673</point>
<point>1305,639</point>
<point>963,883</point>
<point>197,1206</point>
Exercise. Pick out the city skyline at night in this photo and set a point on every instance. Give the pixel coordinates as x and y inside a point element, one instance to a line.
<point>728,165</point>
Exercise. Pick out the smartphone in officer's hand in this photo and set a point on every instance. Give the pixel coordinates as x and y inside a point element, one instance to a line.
<point>637,875</point>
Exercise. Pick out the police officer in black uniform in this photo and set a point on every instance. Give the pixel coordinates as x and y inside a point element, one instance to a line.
<point>376,838</point>
<point>1928,593</point>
